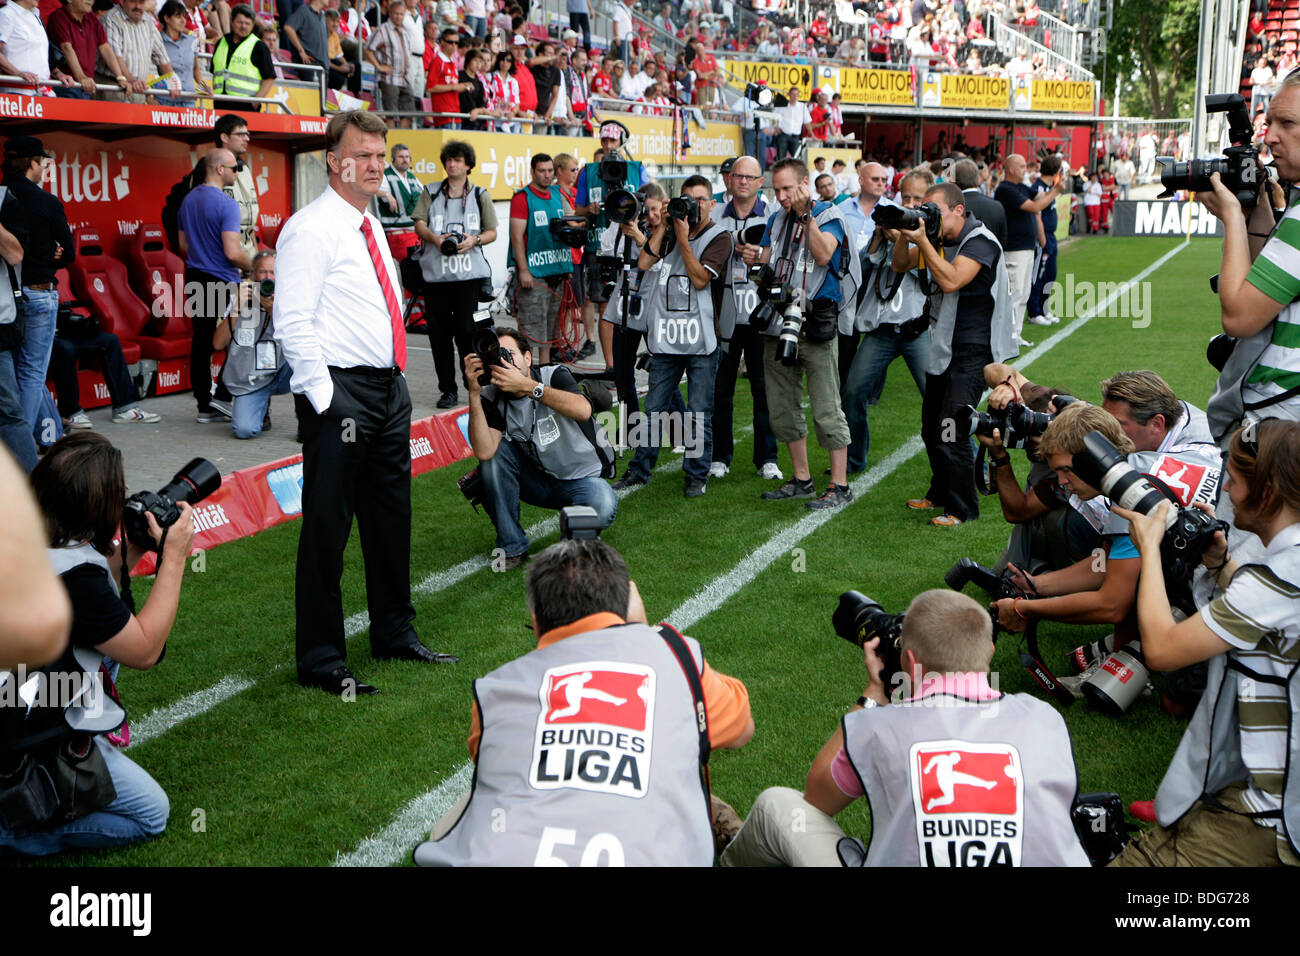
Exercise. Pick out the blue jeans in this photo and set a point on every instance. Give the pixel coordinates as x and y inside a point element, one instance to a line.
<point>510,477</point>
<point>14,432</point>
<point>477,26</point>
<point>139,813</point>
<point>866,380</point>
<point>250,410</point>
<point>756,143</point>
<point>41,310</point>
<point>665,375</point>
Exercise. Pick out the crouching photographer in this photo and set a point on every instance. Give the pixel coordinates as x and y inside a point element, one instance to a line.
<point>955,773</point>
<point>1231,796</point>
<point>63,782</point>
<point>533,433</point>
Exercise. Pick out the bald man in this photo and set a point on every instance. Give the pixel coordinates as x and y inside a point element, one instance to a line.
<point>208,224</point>
<point>1022,207</point>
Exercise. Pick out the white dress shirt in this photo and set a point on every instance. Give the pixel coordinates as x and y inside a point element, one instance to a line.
<point>330,307</point>
<point>793,117</point>
<point>24,42</point>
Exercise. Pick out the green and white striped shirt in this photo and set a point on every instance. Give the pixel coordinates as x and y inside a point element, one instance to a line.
<point>1259,615</point>
<point>1276,273</point>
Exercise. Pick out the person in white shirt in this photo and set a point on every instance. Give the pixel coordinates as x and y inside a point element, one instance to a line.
<point>339,325</point>
<point>25,49</point>
<point>1124,172</point>
<point>622,20</point>
<point>794,116</point>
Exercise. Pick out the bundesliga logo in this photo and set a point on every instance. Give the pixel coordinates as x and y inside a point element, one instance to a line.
<point>969,803</point>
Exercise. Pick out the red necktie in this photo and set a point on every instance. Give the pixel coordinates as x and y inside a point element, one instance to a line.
<point>390,297</point>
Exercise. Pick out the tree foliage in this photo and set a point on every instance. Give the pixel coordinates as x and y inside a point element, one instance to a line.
<point>1152,48</point>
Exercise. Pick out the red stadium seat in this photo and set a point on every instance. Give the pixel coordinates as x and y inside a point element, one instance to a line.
<point>158,278</point>
<point>94,391</point>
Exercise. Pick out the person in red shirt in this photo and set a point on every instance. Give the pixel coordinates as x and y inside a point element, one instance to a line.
<point>820,29</point>
<point>524,77</point>
<point>821,115</point>
<point>707,90</point>
<point>444,86</point>
<point>601,84</point>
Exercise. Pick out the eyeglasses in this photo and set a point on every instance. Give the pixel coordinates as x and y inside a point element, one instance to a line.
<point>745,179</point>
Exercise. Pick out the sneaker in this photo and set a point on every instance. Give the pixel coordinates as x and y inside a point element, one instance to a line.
<point>794,488</point>
<point>770,471</point>
<point>718,470</point>
<point>629,480</point>
<point>1038,320</point>
<point>1051,319</point>
<point>1023,342</point>
<point>512,561</point>
<point>1084,657</point>
<point>224,408</point>
<point>588,349</point>
<point>835,496</point>
<point>945,521</point>
<point>448,400</point>
<point>78,422</point>
<point>694,487</point>
<point>921,504</point>
<point>1074,684</point>
<point>266,421</point>
<point>211,415</point>
<point>133,416</point>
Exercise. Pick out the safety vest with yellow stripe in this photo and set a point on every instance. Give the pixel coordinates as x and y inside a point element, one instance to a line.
<point>239,77</point>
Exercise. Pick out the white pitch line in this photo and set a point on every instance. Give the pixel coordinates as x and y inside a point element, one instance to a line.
<point>411,824</point>
<point>158,722</point>
<point>391,844</point>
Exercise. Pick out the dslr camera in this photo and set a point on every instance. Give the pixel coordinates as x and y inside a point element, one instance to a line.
<point>1015,422</point>
<point>451,241</point>
<point>773,296</point>
<point>858,619</point>
<point>487,346</point>
<point>1188,531</point>
<point>897,217</point>
<point>622,206</point>
<point>1238,168</point>
<point>191,485</point>
<point>684,207</point>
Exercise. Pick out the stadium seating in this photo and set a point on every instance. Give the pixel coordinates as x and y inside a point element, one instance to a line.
<point>76,282</point>
<point>158,275</point>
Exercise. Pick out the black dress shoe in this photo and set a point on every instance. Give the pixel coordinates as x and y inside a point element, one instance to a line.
<point>448,400</point>
<point>419,653</point>
<point>340,682</point>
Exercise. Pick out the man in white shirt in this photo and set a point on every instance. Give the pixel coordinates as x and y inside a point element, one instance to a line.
<point>622,30</point>
<point>1124,172</point>
<point>25,49</point>
<point>341,331</point>
<point>794,116</point>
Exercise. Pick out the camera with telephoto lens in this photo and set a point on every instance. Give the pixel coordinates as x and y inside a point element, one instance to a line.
<point>1188,531</point>
<point>749,236</point>
<point>267,288</point>
<point>787,340</point>
<point>967,571</point>
<point>578,523</point>
<point>191,485</point>
<point>899,217</point>
<point>622,206</point>
<point>773,296</point>
<point>859,619</point>
<point>487,346</point>
<point>1016,423</point>
<point>451,241</point>
<point>685,207</point>
<point>570,230</point>
<point>1238,168</point>
<point>612,170</point>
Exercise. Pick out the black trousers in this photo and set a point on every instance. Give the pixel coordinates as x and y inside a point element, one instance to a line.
<point>104,346</point>
<point>848,347</point>
<point>356,461</point>
<point>626,344</point>
<point>952,463</point>
<point>205,318</point>
<point>746,342</point>
<point>449,316</point>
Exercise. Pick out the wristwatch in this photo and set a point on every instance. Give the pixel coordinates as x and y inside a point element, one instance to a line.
<point>867,703</point>
<point>538,389</point>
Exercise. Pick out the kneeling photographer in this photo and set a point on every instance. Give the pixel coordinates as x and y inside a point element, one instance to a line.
<point>955,773</point>
<point>970,326</point>
<point>63,781</point>
<point>255,368</point>
<point>1231,796</point>
<point>533,433</point>
<point>1092,457</point>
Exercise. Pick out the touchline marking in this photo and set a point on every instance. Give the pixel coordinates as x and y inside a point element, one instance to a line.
<point>391,844</point>
<point>411,824</point>
<point>158,722</point>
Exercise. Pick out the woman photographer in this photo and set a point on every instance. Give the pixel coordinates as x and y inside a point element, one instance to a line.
<point>80,487</point>
<point>1230,798</point>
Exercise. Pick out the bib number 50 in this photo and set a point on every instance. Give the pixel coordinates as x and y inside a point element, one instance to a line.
<point>602,844</point>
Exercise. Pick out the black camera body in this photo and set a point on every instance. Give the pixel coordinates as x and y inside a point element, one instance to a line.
<point>967,571</point>
<point>570,230</point>
<point>858,619</point>
<point>773,296</point>
<point>685,207</point>
<point>451,241</point>
<point>191,485</point>
<point>612,170</point>
<point>897,217</point>
<point>622,206</point>
<point>1015,422</point>
<point>1188,531</point>
<point>487,346</point>
<point>1238,168</point>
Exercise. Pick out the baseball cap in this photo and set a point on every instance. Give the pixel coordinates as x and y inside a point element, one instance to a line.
<point>519,41</point>
<point>569,35</point>
<point>726,166</point>
<point>26,147</point>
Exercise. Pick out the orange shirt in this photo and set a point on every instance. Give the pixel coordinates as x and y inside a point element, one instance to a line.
<point>726,700</point>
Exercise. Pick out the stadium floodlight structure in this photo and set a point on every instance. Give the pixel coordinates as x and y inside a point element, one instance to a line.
<point>1221,46</point>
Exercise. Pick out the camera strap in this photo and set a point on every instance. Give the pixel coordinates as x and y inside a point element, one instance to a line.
<point>686,659</point>
<point>1032,661</point>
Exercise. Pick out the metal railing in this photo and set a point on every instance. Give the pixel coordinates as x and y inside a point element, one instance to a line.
<point>321,71</point>
<point>1055,35</point>
<point>154,94</point>
<point>1009,41</point>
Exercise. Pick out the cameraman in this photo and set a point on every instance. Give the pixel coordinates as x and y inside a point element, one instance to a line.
<point>255,368</point>
<point>810,249</point>
<point>81,488</point>
<point>890,318</point>
<point>592,190</point>
<point>908,757</point>
<point>453,285</point>
<point>746,209</point>
<point>1259,301</point>
<point>681,297</point>
<point>597,661</point>
<point>538,255</point>
<point>970,326</point>
<point>533,433</point>
<point>1229,797</point>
